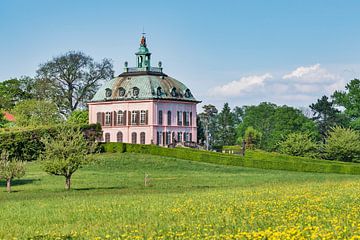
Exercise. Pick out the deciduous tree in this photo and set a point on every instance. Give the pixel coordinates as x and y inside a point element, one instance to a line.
<point>14,90</point>
<point>350,100</point>
<point>274,123</point>
<point>36,113</point>
<point>207,118</point>
<point>67,152</point>
<point>10,169</point>
<point>72,79</point>
<point>343,144</point>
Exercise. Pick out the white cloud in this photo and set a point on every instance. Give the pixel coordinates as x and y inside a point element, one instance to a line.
<point>310,74</point>
<point>299,87</point>
<point>237,88</point>
<point>301,71</point>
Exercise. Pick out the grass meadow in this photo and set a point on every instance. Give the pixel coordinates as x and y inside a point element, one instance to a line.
<point>185,200</point>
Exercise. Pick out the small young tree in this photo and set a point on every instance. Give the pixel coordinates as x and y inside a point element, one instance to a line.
<point>299,144</point>
<point>252,138</point>
<point>343,144</point>
<point>10,169</point>
<point>66,153</point>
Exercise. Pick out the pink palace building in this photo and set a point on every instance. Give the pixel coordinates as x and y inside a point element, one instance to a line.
<point>144,105</point>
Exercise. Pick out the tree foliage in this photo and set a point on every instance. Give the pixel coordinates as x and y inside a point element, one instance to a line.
<point>36,113</point>
<point>350,100</point>
<point>79,117</point>
<point>3,121</point>
<point>274,123</point>
<point>10,169</point>
<point>71,79</point>
<point>65,153</point>
<point>343,144</point>
<point>14,90</point>
<point>252,138</point>
<point>207,118</point>
<point>326,115</point>
<point>299,144</point>
<point>224,132</point>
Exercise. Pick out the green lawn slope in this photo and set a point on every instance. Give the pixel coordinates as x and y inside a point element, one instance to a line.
<point>254,159</point>
<point>185,200</point>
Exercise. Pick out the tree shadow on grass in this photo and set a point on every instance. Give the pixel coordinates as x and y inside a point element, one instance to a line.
<point>98,188</point>
<point>18,182</point>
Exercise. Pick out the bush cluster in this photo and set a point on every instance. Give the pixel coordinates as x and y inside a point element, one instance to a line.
<point>253,158</point>
<point>26,144</point>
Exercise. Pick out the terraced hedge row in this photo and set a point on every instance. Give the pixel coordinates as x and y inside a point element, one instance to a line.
<point>26,145</point>
<point>253,159</point>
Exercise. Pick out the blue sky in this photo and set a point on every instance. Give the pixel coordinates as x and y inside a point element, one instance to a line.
<point>241,52</point>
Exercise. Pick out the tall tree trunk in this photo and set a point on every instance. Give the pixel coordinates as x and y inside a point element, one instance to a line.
<point>8,185</point>
<point>67,182</point>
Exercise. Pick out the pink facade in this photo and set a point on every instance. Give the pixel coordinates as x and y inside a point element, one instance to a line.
<point>150,121</point>
<point>143,105</point>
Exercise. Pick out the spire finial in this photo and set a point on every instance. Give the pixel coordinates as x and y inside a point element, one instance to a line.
<point>143,39</point>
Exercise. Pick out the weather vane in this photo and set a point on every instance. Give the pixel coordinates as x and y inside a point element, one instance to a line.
<point>143,32</point>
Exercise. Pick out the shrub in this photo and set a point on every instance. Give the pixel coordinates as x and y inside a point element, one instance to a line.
<point>78,117</point>
<point>26,145</point>
<point>253,158</point>
<point>299,144</point>
<point>343,144</point>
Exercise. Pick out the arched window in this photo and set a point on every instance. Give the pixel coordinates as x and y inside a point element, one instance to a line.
<point>136,91</point>
<point>173,92</point>
<point>158,138</point>
<point>120,117</point>
<point>188,93</point>
<point>168,138</point>
<point>142,138</point>
<point>121,91</point>
<point>107,118</point>
<point>99,117</point>
<point>107,137</point>
<point>133,117</point>
<point>179,118</point>
<point>159,91</point>
<point>133,138</point>
<point>179,137</point>
<point>142,117</point>
<point>169,118</point>
<point>108,92</point>
<point>173,137</point>
<point>119,137</point>
<point>160,117</point>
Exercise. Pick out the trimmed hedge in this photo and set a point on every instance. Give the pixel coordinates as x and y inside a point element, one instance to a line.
<point>26,144</point>
<point>252,159</point>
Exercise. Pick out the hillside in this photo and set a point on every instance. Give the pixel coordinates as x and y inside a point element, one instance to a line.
<point>185,200</point>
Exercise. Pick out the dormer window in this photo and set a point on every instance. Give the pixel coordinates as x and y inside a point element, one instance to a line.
<point>108,92</point>
<point>121,92</point>
<point>159,91</point>
<point>173,92</point>
<point>136,91</point>
<point>188,93</point>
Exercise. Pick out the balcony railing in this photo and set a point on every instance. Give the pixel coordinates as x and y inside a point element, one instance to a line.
<point>144,69</point>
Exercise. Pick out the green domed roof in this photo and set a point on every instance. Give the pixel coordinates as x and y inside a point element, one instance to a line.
<point>131,86</point>
<point>143,82</point>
